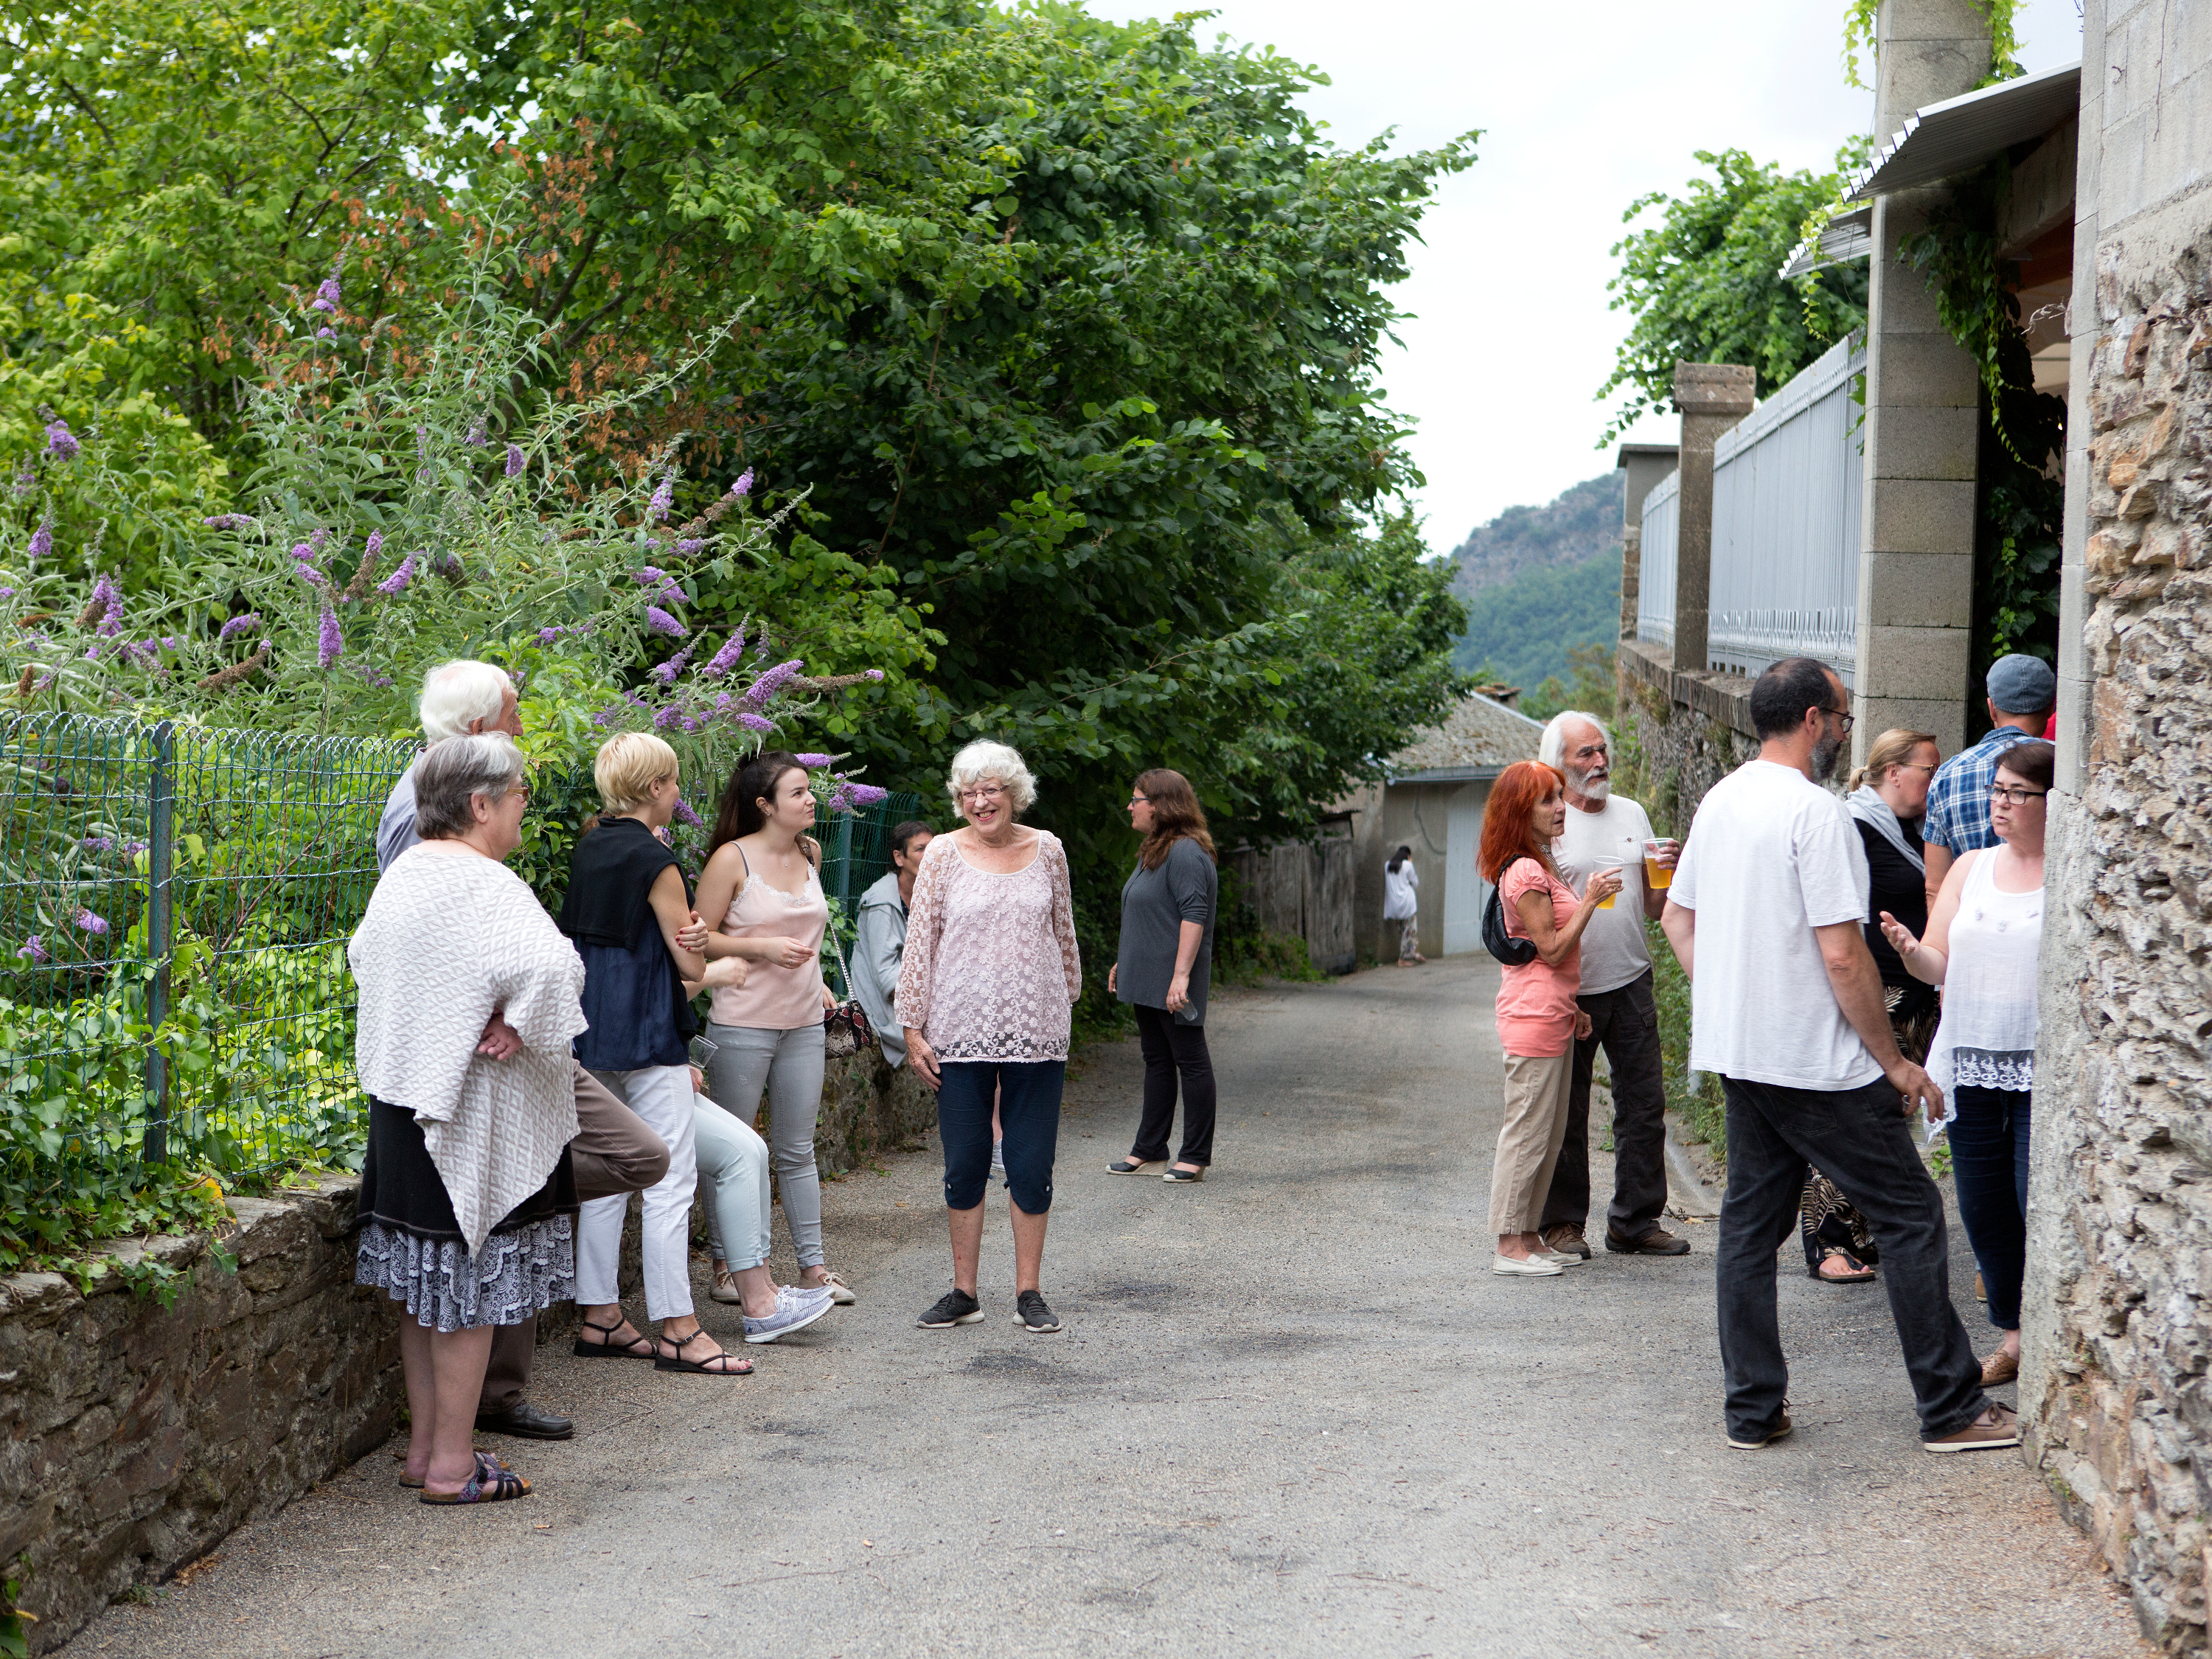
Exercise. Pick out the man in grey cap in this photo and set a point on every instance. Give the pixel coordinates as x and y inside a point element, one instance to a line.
<point>2022,693</point>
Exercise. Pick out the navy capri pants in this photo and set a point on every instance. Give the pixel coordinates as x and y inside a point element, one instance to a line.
<point>1029,1111</point>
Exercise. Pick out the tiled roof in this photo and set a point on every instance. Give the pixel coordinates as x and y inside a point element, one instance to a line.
<point>1479,737</point>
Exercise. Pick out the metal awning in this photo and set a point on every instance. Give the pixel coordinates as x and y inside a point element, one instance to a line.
<point>1844,239</point>
<point>1946,139</point>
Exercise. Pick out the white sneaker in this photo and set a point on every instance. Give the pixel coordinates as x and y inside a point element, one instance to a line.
<point>1535,1267</point>
<point>795,1309</point>
<point>1564,1258</point>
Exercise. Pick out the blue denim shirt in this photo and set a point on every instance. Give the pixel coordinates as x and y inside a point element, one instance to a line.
<point>1958,799</point>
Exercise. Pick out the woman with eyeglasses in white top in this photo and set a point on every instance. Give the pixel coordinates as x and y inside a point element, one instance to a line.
<point>1982,941</point>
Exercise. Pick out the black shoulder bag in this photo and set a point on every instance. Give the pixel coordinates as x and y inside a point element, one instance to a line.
<point>1513,953</point>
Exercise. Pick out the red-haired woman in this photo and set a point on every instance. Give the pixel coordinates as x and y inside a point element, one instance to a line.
<point>1162,967</point>
<point>1537,1018</point>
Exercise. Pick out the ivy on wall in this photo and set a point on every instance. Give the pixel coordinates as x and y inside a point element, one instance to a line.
<point>2021,494</point>
<point>1861,18</point>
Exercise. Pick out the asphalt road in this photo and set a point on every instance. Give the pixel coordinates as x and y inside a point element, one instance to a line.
<point>1292,1412</point>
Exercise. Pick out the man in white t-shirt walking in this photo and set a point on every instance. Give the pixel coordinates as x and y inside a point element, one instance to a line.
<point>1605,830</point>
<point>1768,916</point>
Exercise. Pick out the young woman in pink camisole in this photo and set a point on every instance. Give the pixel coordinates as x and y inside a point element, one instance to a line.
<point>762,888</point>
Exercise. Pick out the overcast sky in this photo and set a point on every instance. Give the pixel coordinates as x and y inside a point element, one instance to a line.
<point>1582,108</point>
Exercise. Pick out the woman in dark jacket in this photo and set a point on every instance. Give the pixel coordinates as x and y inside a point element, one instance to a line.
<point>1162,967</point>
<point>1888,798</point>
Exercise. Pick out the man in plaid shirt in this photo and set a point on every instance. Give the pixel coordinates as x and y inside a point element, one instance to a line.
<point>2022,693</point>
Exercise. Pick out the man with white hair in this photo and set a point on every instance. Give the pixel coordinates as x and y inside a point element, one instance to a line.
<point>1604,831</point>
<point>615,1151</point>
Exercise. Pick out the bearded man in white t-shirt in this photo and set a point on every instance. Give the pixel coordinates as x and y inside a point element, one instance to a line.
<point>1604,831</point>
<point>1768,916</point>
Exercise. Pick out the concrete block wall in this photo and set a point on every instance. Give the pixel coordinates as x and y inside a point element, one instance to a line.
<point>2117,1321</point>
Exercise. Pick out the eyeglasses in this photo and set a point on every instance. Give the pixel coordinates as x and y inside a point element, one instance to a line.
<point>2004,794</point>
<point>988,791</point>
<point>1141,800</point>
<point>1848,718</point>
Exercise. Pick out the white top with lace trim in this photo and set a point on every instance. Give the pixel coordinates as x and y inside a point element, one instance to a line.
<point>1987,1037</point>
<point>991,966</point>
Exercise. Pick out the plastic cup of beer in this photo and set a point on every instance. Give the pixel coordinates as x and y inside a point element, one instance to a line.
<point>1610,866</point>
<point>1656,876</point>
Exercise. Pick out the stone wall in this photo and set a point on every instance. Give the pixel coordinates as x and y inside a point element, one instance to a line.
<point>134,1438</point>
<point>2118,1322</point>
<point>1677,734</point>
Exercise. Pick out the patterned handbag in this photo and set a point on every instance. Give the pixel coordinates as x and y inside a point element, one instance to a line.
<point>845,1029</point>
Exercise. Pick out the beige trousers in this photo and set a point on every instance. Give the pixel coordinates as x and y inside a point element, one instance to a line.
<point>1530,1139</point>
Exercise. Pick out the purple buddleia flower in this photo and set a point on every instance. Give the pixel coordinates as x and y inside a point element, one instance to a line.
<point>743,487</point>
<point>547,636</point>
<point>475,440</point>
<point>375,548</point>
<point>753,722</point>
<point>329,644</point>
<point>104,592</point>
<point>661,623</point>
<point>874,673</point>
<point>91,923</point>
<point>663,498</point>
<point>92,653</point>
<point>514,460</point>
<point>667,672</point>
<point>42,538</point>
<point>760,647</point>
<point>771,681</point>
<point>61,442</point>
<point>867,794</point>
<point>646,575</point>
<point>326,297</point>
<point>397,580</point>
<point>608,715</point>
<point>691,545</point>
<point>381,682</point>
<point>237,625</point>
<point>684,814</point>
<point>451,567</point>
<point>7,593</point>
<point>814,763</point>
<point>168,641</point>
<point>228,522</point>
<point>98,843</point>
<point>35,947</point>
<point>27,482</point>
<point>666,839</point>
<point>326,334</point>
<point>727,657</point>
<point>666,718</point>
<point>840,801</point>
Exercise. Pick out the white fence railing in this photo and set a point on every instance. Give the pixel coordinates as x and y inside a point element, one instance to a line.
<point>1785,567</point>
<point>1655,569</point>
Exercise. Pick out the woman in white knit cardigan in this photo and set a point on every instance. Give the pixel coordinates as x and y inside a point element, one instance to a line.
<point>468,1206</point>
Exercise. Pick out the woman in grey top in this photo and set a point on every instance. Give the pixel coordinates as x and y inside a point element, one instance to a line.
<point>1161,969</point>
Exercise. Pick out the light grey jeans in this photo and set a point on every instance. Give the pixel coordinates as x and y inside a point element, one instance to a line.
<point>749,1059</point>
<point>733,1172</point>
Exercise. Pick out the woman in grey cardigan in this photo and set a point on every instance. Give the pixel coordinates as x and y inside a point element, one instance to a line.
<point>1162,970</point>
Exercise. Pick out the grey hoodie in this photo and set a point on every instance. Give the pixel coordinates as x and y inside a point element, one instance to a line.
<point>880,943</point>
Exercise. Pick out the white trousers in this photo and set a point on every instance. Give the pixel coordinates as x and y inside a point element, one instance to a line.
<point>661,1095</point>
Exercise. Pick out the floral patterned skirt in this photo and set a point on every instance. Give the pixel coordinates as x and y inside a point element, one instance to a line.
<point>514,1276</point>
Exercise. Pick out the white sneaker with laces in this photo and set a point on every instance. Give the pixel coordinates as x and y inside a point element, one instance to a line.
<point>795,1309</point>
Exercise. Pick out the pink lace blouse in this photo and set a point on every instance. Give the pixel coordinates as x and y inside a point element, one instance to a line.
<point>991,966</point>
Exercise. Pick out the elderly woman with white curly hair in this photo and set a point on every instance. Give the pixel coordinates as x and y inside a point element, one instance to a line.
<point>990,971</point>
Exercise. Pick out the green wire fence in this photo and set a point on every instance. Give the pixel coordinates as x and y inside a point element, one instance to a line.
<point>174,906</point>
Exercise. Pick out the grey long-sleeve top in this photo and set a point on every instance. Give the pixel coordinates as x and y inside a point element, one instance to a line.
<point>1155,903</point>
<point>880,943</point>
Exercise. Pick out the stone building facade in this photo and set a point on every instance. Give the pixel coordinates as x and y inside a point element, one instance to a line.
<point>2118,1322</point>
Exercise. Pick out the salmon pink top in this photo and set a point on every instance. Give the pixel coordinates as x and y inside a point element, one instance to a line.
<point>775,997</point>
<point>1537,1004</point>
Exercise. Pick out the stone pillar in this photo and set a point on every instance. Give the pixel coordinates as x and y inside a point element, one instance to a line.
<point>1711,397</point>
<point>1645,466</point>
<point>1922,422</point>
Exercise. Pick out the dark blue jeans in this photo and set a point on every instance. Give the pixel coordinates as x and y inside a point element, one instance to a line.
<point>1029,1111</point>
<point>1989,1156</point>
<point>1859,1139</point>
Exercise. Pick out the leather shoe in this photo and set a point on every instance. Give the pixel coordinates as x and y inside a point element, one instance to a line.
<point>1565,1238</point>
<point>525,1422</point>
<point>1657,1242</point>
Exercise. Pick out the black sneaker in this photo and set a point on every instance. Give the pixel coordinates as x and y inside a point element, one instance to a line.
<point>1032,1314</point>
<point>953,1308</point>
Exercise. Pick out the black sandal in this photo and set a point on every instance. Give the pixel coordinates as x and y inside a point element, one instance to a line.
<point>1131,1166</point>
<point>1860,1273</point>
<point>492,1483</point>
<point>611,1349</point>
<point>708,1367</point>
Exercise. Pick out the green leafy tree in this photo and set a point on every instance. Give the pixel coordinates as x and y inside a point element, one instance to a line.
<point>1702,285</point>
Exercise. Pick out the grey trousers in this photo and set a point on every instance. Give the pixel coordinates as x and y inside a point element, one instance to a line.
<point>1624,1023</point>
<point>788,1066</point>
<point>613,1152</point>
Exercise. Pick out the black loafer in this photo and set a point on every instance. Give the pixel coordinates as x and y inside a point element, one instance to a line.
<point>525,1422</point>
